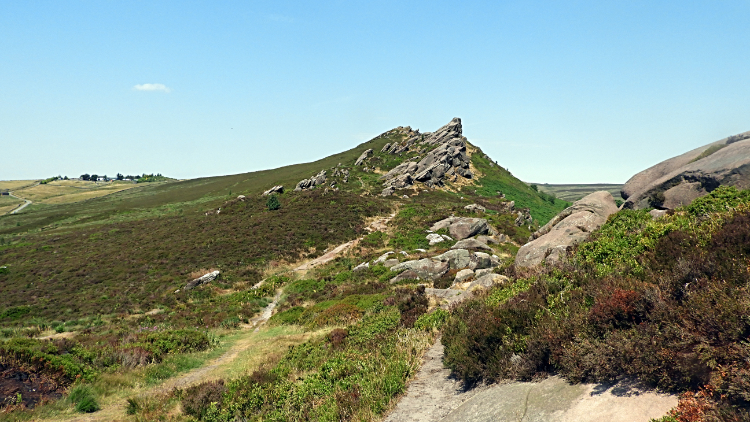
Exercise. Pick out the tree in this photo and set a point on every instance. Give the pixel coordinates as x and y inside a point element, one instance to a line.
<point>272,203</point>
<point>120,176</point>
<point>85,176</point>
<point>94,177</point>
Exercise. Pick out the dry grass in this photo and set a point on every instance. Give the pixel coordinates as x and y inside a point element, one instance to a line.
<point>8,204</point>
<point>68,191</point>
<point>16,184</point>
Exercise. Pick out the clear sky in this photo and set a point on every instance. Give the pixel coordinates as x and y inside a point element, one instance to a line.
<point>556,91</point>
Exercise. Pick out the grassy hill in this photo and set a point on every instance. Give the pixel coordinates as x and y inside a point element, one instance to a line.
<point>94,289</point>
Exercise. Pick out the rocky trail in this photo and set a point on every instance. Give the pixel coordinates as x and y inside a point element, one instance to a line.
<point>434,396</point>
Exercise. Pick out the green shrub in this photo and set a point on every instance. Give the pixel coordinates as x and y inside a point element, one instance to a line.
<point>433,320</point>
<point>272,203</point>
<point>4,270</point>
<point>15,312</point>
<point>83,397</point>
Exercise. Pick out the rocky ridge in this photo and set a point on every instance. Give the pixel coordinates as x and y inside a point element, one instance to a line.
<point>679,180</point>
<point>446,162</point>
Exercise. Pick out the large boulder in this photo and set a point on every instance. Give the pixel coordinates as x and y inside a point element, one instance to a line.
<point>679,180</point>
<point>275,189</point>
<point>572,226</point>
<point>426,268</point>
<point>316,180</point>
<point>470,244</point>
<point>464,227</point>
<point>206,278</point>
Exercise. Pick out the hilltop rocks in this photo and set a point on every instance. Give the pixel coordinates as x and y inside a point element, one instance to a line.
<point>435,238</point>
<point>206,278</point>
<point>463,227</point>
<point>363,157</point>
<point>275,189</point>
<point>316,180</point>
<point>573,225</point>
<point>446,161</point>
<point>679,180</point>
<point>437,266</point>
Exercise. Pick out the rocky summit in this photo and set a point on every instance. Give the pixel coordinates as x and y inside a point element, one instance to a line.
<point>446,158</point>
<point>679,180</point>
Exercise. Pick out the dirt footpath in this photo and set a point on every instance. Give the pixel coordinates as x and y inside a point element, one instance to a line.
<point>433,396</point>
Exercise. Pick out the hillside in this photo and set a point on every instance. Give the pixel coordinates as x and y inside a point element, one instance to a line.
<point>99,289</point>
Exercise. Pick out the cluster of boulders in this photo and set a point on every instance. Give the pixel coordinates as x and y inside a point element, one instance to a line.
<point>363,157</point>
<point>473,266</point>
<point>316,180</point>
<point>679,180</point>
<point>447,161</point>
<point>552,242</point>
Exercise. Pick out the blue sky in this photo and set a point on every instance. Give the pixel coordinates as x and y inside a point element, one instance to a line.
<point>558,92</point>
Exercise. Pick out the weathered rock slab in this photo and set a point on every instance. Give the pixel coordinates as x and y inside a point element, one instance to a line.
<point>573,225</point>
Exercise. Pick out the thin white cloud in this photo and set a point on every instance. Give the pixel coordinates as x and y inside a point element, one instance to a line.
<point>152,87</point>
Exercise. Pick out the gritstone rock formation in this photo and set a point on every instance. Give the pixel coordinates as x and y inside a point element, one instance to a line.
<point>679,180</point>
<point>446,161</point>
<point>316,180</point>
<point>572,226</point>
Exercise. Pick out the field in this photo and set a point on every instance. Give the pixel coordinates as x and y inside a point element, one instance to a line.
<point>8,203</point>
<point>67,191</point>
<point>575,192</point>
<point>12,185</point>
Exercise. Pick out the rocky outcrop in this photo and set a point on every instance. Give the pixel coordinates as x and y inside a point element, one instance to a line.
<point>316,180</point>
<point>679,180</point>
<point>363,157</point>
<point>206,278</point>
<point>425,269</point>
<point>572,226</point>
<point>445,162</point>
<point>463,227</point>
<point>275,189</point>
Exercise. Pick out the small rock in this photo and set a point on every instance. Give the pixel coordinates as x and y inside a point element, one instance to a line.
<point>404,253</point>
<point>463,275</point>
<point>382,258</point>
<point>475,208</point>
<point>420,250</point>
<point>435,238</point>
<point>390,262</point>
<point>362,266</point>
<point>470,244</point>
<point>446,237</point>
<point>241,197</point>
<point>657,214</point>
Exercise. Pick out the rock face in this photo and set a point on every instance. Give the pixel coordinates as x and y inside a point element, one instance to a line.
<point>679,180</point>
<point>207,278</point>
<point>363,157</point>
<point>572,226</point>
<point>316,180</point>
<point>275,189</point>
<point>445,162</point>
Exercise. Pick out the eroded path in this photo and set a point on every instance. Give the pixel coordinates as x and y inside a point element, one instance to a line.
<point>433,396</point>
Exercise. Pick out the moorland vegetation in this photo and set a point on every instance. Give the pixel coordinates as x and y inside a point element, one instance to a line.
<point>94,291</point>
